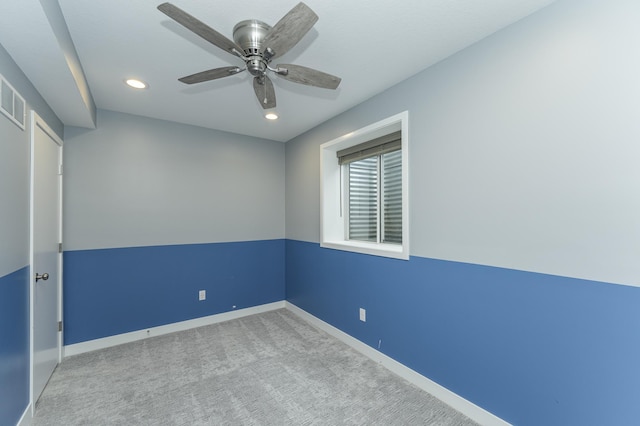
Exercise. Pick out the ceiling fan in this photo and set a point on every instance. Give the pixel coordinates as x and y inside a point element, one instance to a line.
<point>257,44</point>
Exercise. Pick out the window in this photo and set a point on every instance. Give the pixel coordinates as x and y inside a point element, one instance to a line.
<point>374,189</point>
<point>364,190</point>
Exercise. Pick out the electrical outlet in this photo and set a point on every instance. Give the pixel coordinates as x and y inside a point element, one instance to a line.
<point>363,315</point>
<point>202,295</point>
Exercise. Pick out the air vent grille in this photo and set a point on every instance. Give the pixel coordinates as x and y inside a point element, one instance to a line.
<point>11,103</point>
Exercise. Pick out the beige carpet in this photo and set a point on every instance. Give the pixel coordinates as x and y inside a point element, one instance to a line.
<point>266,369</point>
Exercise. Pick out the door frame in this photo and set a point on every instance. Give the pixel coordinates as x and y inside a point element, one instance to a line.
<point>37,121</point>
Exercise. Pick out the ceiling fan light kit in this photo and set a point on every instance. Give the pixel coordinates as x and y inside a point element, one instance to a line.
<point>257,44</point>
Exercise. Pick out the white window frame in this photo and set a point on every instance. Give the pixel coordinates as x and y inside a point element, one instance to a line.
<point>332,195</point>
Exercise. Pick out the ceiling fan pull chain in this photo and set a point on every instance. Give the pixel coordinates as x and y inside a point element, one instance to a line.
<point>265,91</point>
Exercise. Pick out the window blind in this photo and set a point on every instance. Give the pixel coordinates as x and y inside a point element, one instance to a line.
<point>378,146</point>
<point>375,189</point>
<point>392,197</point>
<point>363,199</point>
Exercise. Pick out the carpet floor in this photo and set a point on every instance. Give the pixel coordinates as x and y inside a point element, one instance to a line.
<point>267,369</point>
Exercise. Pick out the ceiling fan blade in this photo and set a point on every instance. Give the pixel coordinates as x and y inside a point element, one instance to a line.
<point>308,76</point>
<point>199,27</point>
<point>265,92</point>
<point>290,29</point>
<point>210,75</point>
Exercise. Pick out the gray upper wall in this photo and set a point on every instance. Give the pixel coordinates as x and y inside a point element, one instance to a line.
<point>522,148</point>
<point>14,197</point>
<point>136,181</point>
<point>14,170</point>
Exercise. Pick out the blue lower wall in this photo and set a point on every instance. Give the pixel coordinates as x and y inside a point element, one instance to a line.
<point>14,346</point>
<point>533,349</point>
<point>113,291</point>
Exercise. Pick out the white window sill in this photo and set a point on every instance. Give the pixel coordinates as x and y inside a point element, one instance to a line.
<point>394,251</point>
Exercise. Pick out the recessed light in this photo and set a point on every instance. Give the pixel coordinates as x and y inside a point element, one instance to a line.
<point>136,84</point>
<point>271,116</point>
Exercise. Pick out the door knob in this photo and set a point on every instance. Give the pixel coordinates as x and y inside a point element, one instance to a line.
<point>44,277</point>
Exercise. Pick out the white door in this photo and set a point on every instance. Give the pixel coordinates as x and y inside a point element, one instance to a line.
<point>46,261</point>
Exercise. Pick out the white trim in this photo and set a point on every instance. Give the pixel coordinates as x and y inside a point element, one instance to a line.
<point>450,398</point>
<point>332,223</point>
<point>27,417</point>
<point>60,255</point>
<point>107,342</point>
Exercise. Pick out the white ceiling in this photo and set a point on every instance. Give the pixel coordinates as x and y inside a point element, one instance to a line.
<point>370,44</point>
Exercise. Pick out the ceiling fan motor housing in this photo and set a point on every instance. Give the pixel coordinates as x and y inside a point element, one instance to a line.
<point>249,35</point>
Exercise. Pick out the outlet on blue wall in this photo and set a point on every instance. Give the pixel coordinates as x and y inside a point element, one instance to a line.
<point>113,291</point>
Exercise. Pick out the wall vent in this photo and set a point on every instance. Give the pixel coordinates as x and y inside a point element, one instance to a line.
<point>11,103</point>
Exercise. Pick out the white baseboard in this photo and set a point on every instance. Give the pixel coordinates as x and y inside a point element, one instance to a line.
<point>106,342</point>
<point>26,418</point>
<point>452,399</point>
